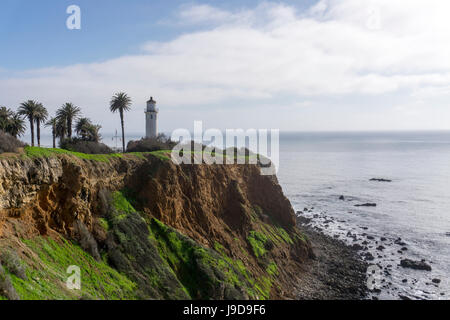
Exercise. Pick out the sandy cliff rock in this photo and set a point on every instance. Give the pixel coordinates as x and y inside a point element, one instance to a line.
<point>231,210</point>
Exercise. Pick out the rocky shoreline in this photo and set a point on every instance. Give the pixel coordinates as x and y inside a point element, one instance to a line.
<point>352,249</point>
<point>335,273</point>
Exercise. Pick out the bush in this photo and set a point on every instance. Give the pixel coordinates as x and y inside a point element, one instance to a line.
<point>11,261</point>
<point>86,239</point>
<point>82,146</point>
<point>8,143</point>
<point>6,288</point>
<point>151,144</point>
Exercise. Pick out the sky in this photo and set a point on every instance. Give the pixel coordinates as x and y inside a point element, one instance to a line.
<point>300,65</point>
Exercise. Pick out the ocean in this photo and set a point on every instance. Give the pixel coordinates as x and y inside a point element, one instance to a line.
<point>316,169</point>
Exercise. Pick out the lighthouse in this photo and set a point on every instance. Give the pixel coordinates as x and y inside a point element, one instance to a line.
<point>151,119</point>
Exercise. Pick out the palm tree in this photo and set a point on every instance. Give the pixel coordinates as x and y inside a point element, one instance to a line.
<point>82,127</point>
<point>40,117</point>
<point>94,132</point>
<point>5,118</point>
<point>120,102</point>
<point>88,131</point>
<point>52,122</point>
<point>61,128</point>
<point>28,109</point>
<point>69,112</point>
<point>16,125</point>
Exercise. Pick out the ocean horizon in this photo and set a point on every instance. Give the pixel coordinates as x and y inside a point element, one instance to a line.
<point>316,169</point>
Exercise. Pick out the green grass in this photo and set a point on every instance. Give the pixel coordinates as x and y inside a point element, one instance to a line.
<point>198,268</point>
<point>272,269</point>
<point>162,154</point>
<point>257,287</point>
<point>263,287</point>
<point>37,152</point>
<point>121,203</point>
<point>104,223</point>
<point>276,234</point>
<point>47,277</point>
<point>165,155</point>
<point>257,241</point>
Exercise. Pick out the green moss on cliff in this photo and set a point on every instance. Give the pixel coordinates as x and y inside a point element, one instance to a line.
<point>46,274</point>
<point>272,269</point>
<point>203,272</point>
<point>122,204</point>
<point>145,259</point>
<point>257,241</point>
<point>132,250</point>
<point>257,287</point>
<point>104,223</point>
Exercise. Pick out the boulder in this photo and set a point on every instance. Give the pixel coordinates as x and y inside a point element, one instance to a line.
<point>380,180</point>
<point>416,265</point>
<point>366,205</point>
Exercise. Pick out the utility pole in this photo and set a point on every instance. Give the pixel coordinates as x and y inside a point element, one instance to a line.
<point>117,138</point>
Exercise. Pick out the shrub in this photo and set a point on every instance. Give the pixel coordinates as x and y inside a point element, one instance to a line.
<point>11,261</point>
<point>8,143</point>
<point>82,146</point>
<point>6,288</point>
<point>151,144</point>
<point>86,239</point>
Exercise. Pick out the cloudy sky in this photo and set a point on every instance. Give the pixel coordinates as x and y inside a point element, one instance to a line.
<point>329,65</point>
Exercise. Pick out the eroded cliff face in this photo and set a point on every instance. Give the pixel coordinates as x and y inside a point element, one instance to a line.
<point>227,224</point>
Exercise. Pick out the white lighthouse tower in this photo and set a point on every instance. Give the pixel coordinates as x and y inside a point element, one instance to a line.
<point>151,119</point>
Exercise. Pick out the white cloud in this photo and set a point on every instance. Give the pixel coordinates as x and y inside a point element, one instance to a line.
<point>199,14</point>
<point>271,54</point>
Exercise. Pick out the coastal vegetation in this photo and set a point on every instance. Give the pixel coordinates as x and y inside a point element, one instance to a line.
<point>67,118</point>
<point>11,122</point>
<point>28,109</point>
<point>8,143</point>
<point>53,123</point>
<point>68,113</point>
<point>162,142</point>
<point>121,103</point>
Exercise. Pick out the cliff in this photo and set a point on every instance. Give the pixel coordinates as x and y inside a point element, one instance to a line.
<point>140,227</point>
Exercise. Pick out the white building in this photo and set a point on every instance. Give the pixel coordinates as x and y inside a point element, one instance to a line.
<point>151,119</point>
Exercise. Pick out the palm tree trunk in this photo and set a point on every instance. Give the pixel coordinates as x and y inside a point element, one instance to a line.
<point>69,128</point>
<point>54,138</point>
<point>38,131</point>
<point>123,130</point>
<point>32,131</point>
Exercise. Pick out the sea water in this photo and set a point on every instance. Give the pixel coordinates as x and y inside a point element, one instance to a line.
<point>317,168</point>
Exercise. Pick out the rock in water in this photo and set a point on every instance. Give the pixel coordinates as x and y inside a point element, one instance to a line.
<point>366,205</point>
<point>341,198</point>
<point>436,280</point>
<point>416,265</point>
<point>380,180</point>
